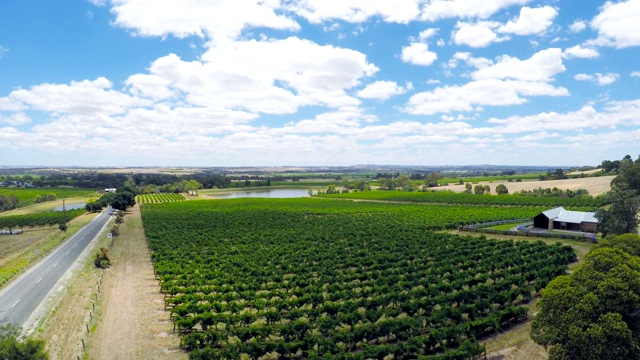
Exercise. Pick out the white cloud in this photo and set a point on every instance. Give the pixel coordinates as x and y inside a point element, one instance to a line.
<point>477,62</point>
<point>344,121</point>
<point>542,66</point>
<point>418,54</point>
<point>580,52</point>
<point>440,42</point>
<point>446,9</point>
<point>151,86</point>
<point>275,77</point>
<point>578,26</point>
<point>381,90</point>
<point>333,27</point>
<point>98,2</point>
<point>606,79</point>
<point>477,35</point>
<point>531,21</point>
<point>617,24</point>
<point>615,113</point>
<point>79,97</point>
<point>486,92</point>
<point>428,33</point>
<point>11,104</point>
<point>584,77</point>
<point>15,119</point>
<point>222,19</point>
<point>635,74</point>
<point>355,11</point>
<point>598,78</point>
<point>508,81</point>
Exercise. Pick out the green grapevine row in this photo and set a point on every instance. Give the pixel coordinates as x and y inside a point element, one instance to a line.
<point>159,198</point>
<point>449,197</point>
<point>40,219</point>
<point>323,278</point>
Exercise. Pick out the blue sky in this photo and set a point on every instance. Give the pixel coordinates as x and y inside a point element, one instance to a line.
<point>318,82</point>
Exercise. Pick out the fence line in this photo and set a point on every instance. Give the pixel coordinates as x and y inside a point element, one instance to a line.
<point>481,228</point>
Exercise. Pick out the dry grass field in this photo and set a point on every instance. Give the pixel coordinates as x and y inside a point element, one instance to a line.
<point>595,185</point>
<point>19,252</point>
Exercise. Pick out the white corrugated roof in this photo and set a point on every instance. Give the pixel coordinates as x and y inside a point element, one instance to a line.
<point>576,217</point>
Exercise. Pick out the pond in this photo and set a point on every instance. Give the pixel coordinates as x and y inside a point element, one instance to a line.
<point>69,207</point>
<point>272,193</point>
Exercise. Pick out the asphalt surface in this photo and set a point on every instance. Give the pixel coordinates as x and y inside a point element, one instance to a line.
<point>25,294</point>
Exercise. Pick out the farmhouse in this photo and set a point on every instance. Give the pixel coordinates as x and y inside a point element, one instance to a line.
<point>561,219</point>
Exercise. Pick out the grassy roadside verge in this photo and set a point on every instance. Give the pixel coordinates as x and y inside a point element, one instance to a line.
<point>515,343</point>
<point>27,248</point>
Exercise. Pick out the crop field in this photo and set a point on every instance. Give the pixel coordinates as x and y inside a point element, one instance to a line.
<point>595,185</point>
<point>158,198</point>
<point>448,197</point>
<point>39,219</point>
<point>475,179</point>
<point>26,196</point>
<point>293,278</point>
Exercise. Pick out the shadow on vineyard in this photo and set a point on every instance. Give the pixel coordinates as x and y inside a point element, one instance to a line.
<point>292,278</point>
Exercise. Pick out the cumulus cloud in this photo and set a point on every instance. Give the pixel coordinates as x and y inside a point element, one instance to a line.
<point>477,35</point>
<point>542,66</point>
<point>617,24</point>
<point>11,104</point>
<point>223,19</point>
<point>531,21</point>
<point>428,33</point>
<point>275,77</point>
<point>382,90</point>
<point>615,113</point>
<point>15,119</point>
<point>635,74</point>
<point>486,92</point>
<point>447,9</point>
<point>355,11</point>
<point>150,86</point>
<point>418,54</point>
<point>580,52</point>
<point>577,26</point>
<point>79,97</point>
<point>507,81</point>
<point>598,78</point>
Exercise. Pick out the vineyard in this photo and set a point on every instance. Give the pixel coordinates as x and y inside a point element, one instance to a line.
<point>159,198</point>
<point>40,219</point>
<point>293,278</point>
<point>447,197</point>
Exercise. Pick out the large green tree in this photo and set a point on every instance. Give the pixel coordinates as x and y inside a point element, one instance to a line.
<point>594,313</point>
<point>622,215</point>
<point>12,346</point>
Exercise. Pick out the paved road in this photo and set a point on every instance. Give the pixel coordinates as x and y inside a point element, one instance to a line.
<point>23,296</point>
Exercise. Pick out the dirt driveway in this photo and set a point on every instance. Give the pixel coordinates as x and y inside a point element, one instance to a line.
<point>132,322</point>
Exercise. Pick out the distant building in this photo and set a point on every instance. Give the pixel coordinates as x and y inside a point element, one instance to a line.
<point>110,190</point>
<point>561,219</point>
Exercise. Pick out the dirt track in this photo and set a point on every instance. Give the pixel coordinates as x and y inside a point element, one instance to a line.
<point>133,323</point>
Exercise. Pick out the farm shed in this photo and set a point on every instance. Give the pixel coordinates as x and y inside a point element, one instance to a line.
<point>561,219</point>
